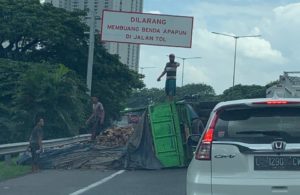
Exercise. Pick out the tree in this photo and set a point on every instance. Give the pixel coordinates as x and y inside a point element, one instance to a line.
<point>272,84</point>
<point>33,32</point>
<point>243,92</point>
<point>10,73</point>
<point>144,97</point>
<point>200,91</point>
<point>113,82</point>
<point>56,93</point>
<point>29,89</point>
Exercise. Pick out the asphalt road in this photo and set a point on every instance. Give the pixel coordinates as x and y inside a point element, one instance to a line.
<point>95,182</point>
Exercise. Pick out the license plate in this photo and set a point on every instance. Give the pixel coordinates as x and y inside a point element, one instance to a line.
<point>283,163</point>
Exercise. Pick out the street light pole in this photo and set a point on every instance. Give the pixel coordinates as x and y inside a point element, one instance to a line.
<point>234,62</point>
<point>183,60</point>
<point>235,49</point>
<point>89,75</point>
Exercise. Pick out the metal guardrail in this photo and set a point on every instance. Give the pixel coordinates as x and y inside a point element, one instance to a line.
<point>7,149</point>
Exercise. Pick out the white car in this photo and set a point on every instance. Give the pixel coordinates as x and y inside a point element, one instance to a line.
<point>249,147</point>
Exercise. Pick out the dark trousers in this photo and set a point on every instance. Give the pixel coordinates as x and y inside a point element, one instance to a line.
<point>34,147</point>
<point>96,129</point>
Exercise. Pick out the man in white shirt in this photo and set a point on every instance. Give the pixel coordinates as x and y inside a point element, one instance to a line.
<point>96,120</point>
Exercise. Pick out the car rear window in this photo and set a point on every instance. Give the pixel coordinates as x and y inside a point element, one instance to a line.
<point>259,125</point>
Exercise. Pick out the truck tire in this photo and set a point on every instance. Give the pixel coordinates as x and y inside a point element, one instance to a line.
<point>197,126</point>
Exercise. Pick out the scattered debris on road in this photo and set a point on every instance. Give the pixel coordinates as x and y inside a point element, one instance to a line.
<point>77,156</point>
<point>158,140</point>
<point>105,153</point>
<point>116,136</point>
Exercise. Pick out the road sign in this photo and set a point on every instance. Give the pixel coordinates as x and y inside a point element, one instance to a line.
<point>147,29</point>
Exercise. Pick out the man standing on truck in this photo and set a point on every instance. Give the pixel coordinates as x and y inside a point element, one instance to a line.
<point>170,70</point>
<point>97,118</point>
<point>35,142</point>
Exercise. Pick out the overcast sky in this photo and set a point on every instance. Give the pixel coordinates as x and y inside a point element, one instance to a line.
<point>259,60</point>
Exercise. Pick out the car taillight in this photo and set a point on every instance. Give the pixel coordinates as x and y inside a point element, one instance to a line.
<point>203,151</point>
<point>277,102</point>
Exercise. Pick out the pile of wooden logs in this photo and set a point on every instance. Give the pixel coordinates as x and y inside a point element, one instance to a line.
<point>116,136</point>
<point>103,154</point>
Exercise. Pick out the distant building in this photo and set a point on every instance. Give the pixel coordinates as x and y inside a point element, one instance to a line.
<point>129,53</point>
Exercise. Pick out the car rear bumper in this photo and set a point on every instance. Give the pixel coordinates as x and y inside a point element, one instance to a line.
<point>245,186</point>
<point>199,183</point>
<point>198,189</point>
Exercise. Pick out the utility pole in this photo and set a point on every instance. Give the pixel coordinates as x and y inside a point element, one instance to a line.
<point>89,75</point>
<point>183,60</point>
<point>235,47</point>
<point>234,62</point>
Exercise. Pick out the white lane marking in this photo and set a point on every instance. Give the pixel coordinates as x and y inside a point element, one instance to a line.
<point>102,181</point>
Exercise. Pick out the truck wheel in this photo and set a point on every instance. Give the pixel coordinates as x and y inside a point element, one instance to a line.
<point>197,126</point>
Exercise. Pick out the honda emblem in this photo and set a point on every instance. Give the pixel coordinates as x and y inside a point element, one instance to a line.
<point>278,145</point>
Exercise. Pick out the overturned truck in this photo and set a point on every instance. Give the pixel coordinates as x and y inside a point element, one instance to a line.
<point>288,86</point>
<point>162,139</point>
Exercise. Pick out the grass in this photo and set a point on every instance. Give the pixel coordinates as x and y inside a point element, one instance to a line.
<point>12,170</point>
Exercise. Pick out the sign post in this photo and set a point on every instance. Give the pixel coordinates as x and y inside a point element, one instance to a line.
<point>147,29</point>
<point>89,74</point>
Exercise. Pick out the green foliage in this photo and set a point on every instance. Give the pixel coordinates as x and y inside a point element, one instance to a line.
<point>28,89</point>
<point>200,91</point>
<point>243,92</point>
<point>271,84</point>
<point>10,72</point>
<point>42,33</point>
<point>145,96</point>
<point>113,82</point>
<point>31,31</point>
<point>12,170</point>
<point>56,93</point>
<point>140,98</point>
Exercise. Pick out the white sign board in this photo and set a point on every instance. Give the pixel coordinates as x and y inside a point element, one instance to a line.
<point>148,29</point>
